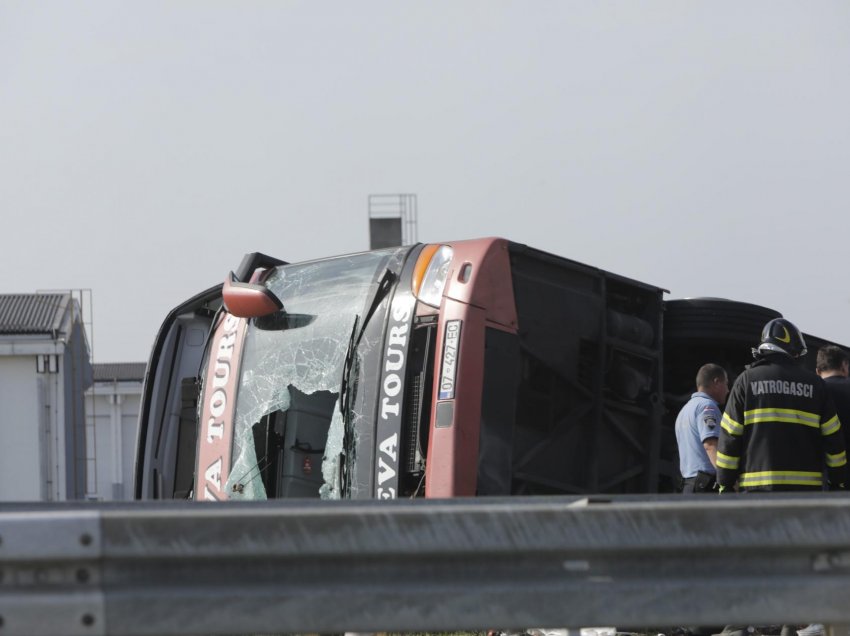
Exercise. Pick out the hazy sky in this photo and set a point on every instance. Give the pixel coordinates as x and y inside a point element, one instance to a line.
<point>703,147</point>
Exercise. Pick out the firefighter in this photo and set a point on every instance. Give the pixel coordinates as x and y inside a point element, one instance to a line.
<point>780,428</point>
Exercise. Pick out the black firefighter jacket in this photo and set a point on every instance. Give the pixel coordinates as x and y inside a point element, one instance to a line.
<point>779,430</point>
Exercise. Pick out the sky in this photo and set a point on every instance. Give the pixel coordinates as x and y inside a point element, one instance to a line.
<point>703,147</point>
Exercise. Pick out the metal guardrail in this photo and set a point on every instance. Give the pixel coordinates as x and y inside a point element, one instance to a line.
<point>329,567</point>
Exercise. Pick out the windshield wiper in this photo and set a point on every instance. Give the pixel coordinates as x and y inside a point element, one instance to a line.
<point>385,284</point>
<point>346,367</point>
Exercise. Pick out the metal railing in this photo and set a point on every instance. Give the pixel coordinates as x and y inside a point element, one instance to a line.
<point>329,567</point>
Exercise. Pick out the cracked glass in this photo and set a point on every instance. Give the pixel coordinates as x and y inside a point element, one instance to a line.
<point>289,435</point>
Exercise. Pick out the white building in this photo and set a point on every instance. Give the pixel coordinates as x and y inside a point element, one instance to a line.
<point>44,372</point>
<point>112,417</point>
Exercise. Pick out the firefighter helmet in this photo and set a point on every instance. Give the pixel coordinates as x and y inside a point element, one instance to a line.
<point>781,336</point>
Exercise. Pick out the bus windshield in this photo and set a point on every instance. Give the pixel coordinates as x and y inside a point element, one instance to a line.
<point>289,437</point>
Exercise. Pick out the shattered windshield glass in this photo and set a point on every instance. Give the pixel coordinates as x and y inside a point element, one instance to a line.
<point>289,436</point>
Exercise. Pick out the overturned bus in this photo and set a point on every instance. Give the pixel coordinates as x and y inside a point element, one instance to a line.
<point>476,367</point>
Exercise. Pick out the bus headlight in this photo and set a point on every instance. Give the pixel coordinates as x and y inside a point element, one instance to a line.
<point>430,273</point>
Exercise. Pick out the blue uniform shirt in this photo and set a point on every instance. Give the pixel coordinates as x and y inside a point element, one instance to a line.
<point>698,420</point>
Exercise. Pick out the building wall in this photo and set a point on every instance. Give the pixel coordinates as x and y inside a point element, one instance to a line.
<point>113,417</point>
<point>77,377</point>
<point>24,462</point>
<point>44,371</point>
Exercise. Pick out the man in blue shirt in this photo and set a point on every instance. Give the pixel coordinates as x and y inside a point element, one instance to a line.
<point>698,427</point>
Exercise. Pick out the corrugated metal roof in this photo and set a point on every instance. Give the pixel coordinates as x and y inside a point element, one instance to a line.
<point>119,371</point>
<point>32,313</point>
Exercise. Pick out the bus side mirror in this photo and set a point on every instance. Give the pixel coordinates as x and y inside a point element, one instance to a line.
<point>248,300</point>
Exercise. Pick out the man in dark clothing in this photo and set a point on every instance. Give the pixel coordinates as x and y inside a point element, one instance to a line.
<point>833,365</point>
<point>780,427</point>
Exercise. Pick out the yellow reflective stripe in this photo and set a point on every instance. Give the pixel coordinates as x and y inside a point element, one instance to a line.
<point>727,461</point>
<point>830,426</point>
<point>792,416</point>
<point>731,426</point>
<point>834,461</point>
<point>780,477</point>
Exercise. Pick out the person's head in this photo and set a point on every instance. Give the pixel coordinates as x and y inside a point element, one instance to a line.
<point>713,381</point>
<point>781,336</point>
<point>832,360</point>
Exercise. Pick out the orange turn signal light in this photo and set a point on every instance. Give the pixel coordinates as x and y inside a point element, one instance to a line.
<point>421,267</point>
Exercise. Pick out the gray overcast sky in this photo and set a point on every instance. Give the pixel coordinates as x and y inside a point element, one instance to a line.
<point>700,146</point>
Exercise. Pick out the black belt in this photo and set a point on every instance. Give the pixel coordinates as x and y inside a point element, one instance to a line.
<point>688,480</point>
